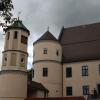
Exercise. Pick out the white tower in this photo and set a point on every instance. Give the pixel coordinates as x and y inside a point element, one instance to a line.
<point>13,75</point>
<point>47,64</point>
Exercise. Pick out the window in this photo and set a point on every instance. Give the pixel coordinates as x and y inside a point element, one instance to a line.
<point>15,34</point>
<point>69,72</point>
<point>8,35</point>
<point>5,60</point>
<point>22,60</point>
<point>23,39</point>
<point>69,91</point>
<point>85,70</point>
<point>45,72</point>
<point>57,53</point>
<point>45,50</point>
<point>5,57</point>
<point>85,90</point>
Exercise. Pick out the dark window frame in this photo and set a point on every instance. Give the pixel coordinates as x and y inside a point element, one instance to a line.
<point>85,90</point>
<point>69,91</point>
<point>69,72</point>
<point>45,72</point>
<point>85,70</point>
<point>45,50</point>
<point>57,52</point>
<point>24,39</point>
<point>15,34</point>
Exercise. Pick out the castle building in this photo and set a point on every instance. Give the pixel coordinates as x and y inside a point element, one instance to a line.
<point>69,65</point>
<point>65,67</point>
<point>13,74</point>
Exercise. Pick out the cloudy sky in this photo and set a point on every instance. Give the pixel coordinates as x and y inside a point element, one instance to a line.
<point>37,15</point>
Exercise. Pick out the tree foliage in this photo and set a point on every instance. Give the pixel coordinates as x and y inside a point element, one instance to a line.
<point>5,10</point>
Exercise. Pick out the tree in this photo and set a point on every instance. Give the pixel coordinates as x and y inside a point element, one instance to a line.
<point>5,10</point>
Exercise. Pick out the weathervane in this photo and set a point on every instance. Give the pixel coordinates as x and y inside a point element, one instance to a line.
<point>18,15</point>
<point>48,28</point>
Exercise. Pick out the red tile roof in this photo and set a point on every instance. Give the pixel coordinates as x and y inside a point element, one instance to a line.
<point>80,42</point>
<point>46,36</point>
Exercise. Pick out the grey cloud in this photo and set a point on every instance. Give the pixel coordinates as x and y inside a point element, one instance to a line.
<point>37,15</point>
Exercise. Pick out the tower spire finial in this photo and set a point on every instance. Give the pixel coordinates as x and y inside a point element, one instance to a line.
<point>48,28</point>
<point>19,15</point>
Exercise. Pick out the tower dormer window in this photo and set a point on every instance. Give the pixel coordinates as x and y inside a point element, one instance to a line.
<point>45,50</point>
<point>23,39</point>
<point>15,34</point>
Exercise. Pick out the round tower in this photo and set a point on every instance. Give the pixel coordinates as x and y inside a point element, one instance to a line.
<point>13,75</point>
<point>47,64</point>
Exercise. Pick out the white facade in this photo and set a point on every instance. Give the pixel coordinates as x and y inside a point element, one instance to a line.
<point>81,80</point>
<point>52,62</point>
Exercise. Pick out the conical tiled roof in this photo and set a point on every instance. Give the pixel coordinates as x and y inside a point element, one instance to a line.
<point>46,36</point>
<point>17,25</point>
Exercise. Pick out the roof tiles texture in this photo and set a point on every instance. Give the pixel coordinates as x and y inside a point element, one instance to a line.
<point>80,43</point>
<point>46,36</point>
<point>17,25</point>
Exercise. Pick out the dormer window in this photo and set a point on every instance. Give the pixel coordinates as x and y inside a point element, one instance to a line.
<point>45,50</point>
<point>15,34</point>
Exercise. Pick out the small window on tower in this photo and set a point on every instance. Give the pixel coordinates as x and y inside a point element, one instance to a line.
<point>5,57</point>
<point>15,34</point>
<point>5,60</point>
<point>22,60</point>
<point>45,72</point>
<point>23,39</point>
<point>8,35</point>
<point>45,50</point>
<point>57,53</point>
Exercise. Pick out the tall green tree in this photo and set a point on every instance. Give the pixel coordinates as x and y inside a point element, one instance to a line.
<point>6,7</point>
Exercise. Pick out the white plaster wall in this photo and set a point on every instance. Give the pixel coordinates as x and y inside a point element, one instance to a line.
<point>13,85</point>
<point>53,82</point>
<point>77,80</point>
<point>52,49</point>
